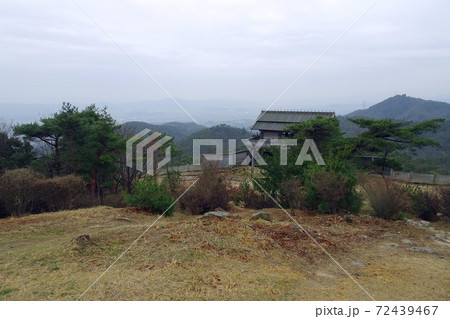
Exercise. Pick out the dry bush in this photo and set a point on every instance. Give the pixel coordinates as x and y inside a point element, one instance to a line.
<point>113,200</point>
<point>57,193</point>
<point>174,182</point>
<point>85,200</point>
<point>427,203</point>
<point>387,197</point>
<point>210,192</point>
<point>17,190</point>
<point>25,191</point>
<point>445,194</point>
<point>330,189</point>
<point>292,194</point>
<point>252,198</point>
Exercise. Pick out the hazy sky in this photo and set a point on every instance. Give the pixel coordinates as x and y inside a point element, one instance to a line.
<point>241,49</point>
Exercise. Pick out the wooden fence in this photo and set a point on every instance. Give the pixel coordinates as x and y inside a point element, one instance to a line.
<point>421,178</point>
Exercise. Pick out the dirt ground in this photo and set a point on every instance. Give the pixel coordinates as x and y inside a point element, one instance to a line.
<point>188,258</point>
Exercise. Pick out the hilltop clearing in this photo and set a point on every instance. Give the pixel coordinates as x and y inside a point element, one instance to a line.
<point>189,258</point>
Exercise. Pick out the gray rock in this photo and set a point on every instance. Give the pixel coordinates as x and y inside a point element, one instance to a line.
<point>424,250</point>
<point>358,263</point>
<point>216,214</point>
<point>124,218</point>
<point>294,226</point>
<point>440,241</point>
<point>388,236</point>
<point>408,242</point>
<point>83,241</point>
<point>261,215</point>
<point>388,245</point>
<point>348,219</point>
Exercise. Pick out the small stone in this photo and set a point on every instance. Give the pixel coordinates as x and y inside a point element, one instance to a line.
<point>388,245</point>
<point>216,214</point>
<point>294,226</point>
<point>124,218</point>
<point>424,250</point>
<point>261,215</point>
<point>408,242</point>
<point>82,241</point>
<point>358,263</point>
<point>348,219</point>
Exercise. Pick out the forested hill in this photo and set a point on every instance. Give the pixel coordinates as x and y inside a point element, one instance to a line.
<point>402,108</point>
<point>177,130</point>
<point>405,108</point>
<point>224,132</point>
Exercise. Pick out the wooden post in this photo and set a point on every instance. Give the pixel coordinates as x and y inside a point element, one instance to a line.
<point>252,161</point>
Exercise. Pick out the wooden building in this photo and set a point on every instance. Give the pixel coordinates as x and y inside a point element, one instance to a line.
<point>272,124</point>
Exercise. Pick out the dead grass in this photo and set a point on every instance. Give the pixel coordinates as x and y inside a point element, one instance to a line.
<point>187,258</point>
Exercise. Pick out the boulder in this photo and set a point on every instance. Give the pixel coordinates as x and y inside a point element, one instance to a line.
<point>261,215</point>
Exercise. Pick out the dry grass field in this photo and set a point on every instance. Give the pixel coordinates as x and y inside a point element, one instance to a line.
<point>188,258</point>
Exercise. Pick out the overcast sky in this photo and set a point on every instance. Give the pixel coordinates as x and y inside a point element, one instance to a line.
<point>51,51</point>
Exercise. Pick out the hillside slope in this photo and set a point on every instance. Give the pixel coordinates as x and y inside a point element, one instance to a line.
<point>405,108</point>
<point>177,130</point>
<point>398,107</point>
<point>187,258</point>
<point>223,132</point>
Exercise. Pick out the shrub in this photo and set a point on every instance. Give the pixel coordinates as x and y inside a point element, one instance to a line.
<point>113,200</point>
<point>151,196</point>
<point>17,190</point>
<point>387,198</point>
<point>292,193</point>
<point>210,192</point>
<point>173,180</point>
<point>426,204</point>
<point>3,211</point>
<point>57,193</point>
<point>332,189</point>
<point>252,198</point>
<point>85,200</point>
<point>25,191</point>
<point>445,194</point>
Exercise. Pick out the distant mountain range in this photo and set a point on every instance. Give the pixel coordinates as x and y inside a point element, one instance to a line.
<point>223,132</point>
<point>398,107</point>
<point>184,133</point>
<point>405,108</point>
<point>177,130</point>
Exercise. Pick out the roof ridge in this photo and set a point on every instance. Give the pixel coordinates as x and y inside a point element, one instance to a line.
<point>299,111</point>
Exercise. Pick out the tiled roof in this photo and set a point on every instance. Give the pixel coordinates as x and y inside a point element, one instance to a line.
<point>278,120</point>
